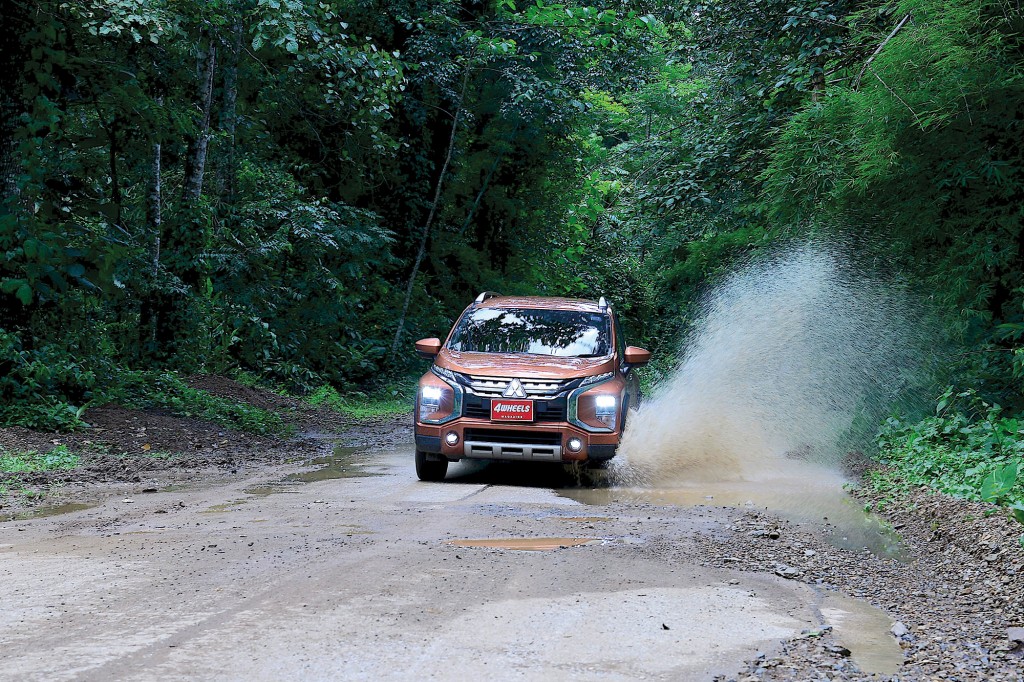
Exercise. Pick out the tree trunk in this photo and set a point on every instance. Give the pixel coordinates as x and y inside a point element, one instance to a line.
<point>154,224</point>
<point>480,194</point>
<point>430,217</point>
<point>115,175</point>
<point>226,170</point>
<point>195,160</point>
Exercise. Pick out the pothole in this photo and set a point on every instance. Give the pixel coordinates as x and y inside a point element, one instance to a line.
<point>526,544</point>
<point>224,507</point>
<point>864,630</point>
<point>55,510</point>
<point>822,504</point>
<point>341,463</point>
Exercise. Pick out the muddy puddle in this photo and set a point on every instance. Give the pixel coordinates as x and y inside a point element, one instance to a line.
<point>813,498</point>
<point>344,462</point>
<point>45,511</point>
<point>864,630</point>
<point>526,544</point>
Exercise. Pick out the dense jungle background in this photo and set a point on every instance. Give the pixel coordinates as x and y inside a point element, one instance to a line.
<point>292,191</point>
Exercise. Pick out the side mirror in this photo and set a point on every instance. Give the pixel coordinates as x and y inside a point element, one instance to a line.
<point>637,357</point>
<point>429,348</point>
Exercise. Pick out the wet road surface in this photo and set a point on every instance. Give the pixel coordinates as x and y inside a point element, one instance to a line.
<point>355,570</point>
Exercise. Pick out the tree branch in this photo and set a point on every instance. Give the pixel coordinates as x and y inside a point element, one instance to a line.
<point>878,50</point>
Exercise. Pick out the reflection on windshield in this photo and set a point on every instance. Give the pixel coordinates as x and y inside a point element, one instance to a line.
<point>562,333</point>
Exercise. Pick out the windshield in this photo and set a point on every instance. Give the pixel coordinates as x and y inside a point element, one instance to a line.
<point>562,333</point>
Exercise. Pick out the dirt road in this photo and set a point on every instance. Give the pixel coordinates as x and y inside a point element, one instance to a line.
<point>352,569</point>
<point>362,577</point>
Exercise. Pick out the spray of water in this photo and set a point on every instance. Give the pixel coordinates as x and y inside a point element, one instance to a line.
<point>793,359</point>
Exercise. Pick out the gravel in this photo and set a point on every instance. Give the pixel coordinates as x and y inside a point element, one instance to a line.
<point>956,595</point>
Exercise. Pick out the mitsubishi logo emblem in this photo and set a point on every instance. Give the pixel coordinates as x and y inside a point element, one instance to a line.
<point>514,390</point>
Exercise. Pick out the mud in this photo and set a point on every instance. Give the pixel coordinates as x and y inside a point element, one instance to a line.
<point>810,495</point>
<point>866,631</point>
<point>342,462</point>
<point>212,582</point>
<point>353,572</point>
<point>131,450</point>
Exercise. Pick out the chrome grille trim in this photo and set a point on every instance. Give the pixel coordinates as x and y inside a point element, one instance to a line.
<point>494,387</point>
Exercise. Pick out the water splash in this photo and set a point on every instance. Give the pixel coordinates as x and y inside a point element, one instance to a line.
<point>793,359</point>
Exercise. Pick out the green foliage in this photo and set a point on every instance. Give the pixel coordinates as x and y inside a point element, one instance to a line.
<point>968,449</point>
<point>141,390</point>
<point>36,384</point>
<point>325,125</point>
<point>58,458</point>
<point>387,403</point>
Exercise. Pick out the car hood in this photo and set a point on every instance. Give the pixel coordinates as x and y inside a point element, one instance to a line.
<point>522,365</point>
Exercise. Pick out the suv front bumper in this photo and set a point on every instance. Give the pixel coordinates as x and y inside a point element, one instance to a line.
<point>544,442</point>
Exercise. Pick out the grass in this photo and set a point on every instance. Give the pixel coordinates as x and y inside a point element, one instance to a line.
<point>167,390</point>
<point>57,459</point>
<point>390,403</point>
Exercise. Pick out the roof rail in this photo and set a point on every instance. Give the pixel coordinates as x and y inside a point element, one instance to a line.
<point>486,295</point>
<point>602,303</point>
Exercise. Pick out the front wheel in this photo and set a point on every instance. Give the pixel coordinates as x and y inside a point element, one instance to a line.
<point>429,470</point>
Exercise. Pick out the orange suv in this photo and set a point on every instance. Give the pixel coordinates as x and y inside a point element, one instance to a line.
<point>525,378</point>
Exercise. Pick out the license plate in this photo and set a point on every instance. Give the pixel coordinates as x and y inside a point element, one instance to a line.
<point>511,410</point>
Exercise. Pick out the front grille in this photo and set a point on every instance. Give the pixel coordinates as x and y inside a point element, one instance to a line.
<point>526,437</point>
<point>495,387</point>
<point>543,410</point>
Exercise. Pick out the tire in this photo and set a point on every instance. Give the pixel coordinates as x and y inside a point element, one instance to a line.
<point>427,470</point>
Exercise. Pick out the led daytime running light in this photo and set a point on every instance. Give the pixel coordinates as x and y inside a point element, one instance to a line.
<point>597,378</point>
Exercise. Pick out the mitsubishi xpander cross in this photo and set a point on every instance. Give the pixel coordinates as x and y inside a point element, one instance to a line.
<point>525,378</point>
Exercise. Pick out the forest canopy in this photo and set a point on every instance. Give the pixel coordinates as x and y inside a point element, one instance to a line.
<point>300,188</point>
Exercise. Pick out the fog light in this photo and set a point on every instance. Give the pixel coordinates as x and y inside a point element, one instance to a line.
<point>452,438</point>
<point>575,444</point>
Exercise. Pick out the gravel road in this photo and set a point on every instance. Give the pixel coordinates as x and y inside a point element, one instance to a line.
<point>355,570</point>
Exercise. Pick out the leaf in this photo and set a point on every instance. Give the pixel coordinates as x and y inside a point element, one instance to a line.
<point>24,294</point>
<point>1017,511</point>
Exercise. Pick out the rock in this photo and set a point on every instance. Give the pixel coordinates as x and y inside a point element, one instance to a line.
<point>898,629</point>
<point>837,649</point>
<point>788,572</point>
<point>1015,634</point>
<point>665,627</point>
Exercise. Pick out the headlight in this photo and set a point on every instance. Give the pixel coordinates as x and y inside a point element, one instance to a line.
<point>604,409</point>
<point>595,408</point>
<point>438,402</point>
